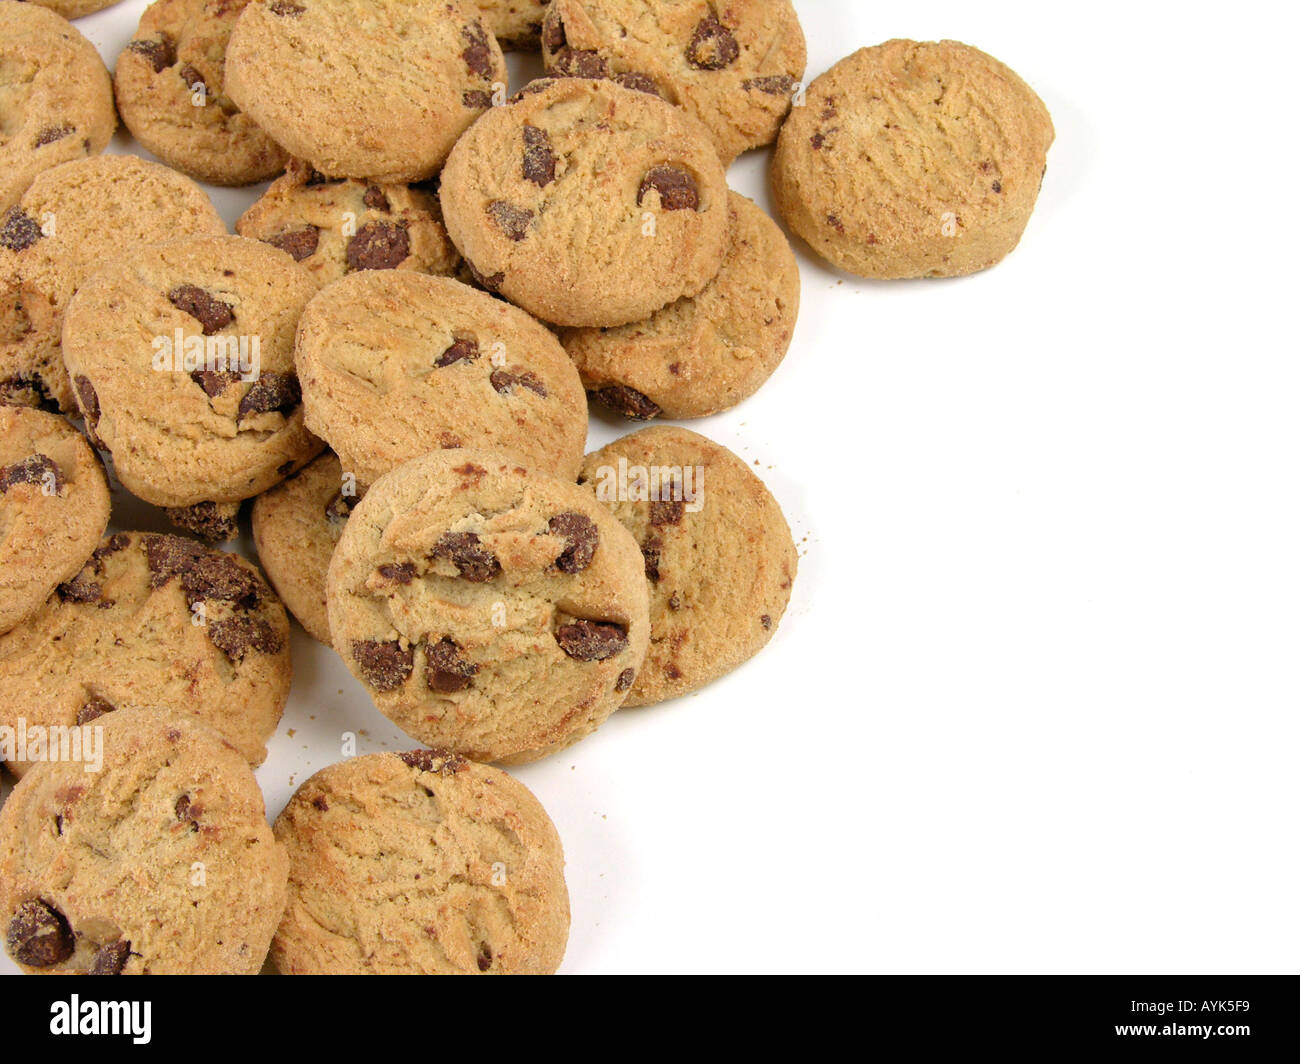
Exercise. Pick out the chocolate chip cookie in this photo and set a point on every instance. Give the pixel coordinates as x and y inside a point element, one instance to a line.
<point>913,160</point>
<point>55,96</point>
<point>396,364</point>
<point>159,863</point>
<point>53,508</point>
<point>516,24</point>
<point>153,620</point>
<point>736,67</point>
<point>337,227</point>
<point>487,609</point>
<point>170,88</point>
<point>718,554</point>
<point>181,357</point>
<point>704,353</point>
<point>69,223</point>
<point>75,8</point>
<point>586,203</point>
<point>420,864</point>
<point>372,89</point>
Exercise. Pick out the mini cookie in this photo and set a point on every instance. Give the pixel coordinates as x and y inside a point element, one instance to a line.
<point>75,8</point>
<point>397,364</point>
<point>57,100</point>
<point>913,160</point>
<point>490,610</point>
<point>706,353</point>
<point>372,89</point>
<point>718,554</point>
<point>516,24</point>
<point>181,356</point>
<point>158,863</point>
<point>586,203</point>
<point>338,227</point>
<point>153,620</point>
<point>420,864</point>
<point>296,526</point>
<point>69,223</point>
<point>169,84</point>
<point>53,508</point>
<point>734,67</point>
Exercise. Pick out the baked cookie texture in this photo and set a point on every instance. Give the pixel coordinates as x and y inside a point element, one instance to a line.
<point>913,160</point>
<point>160,863</point>
<point>74,8</point>
<point>718,555</point>
<point>336,227</point>
<point>702,354</point>
<point>516,24</point>
<point>487,609</point>
<point>153,620</point>
<point>56,98</point>
<point>420,864</point>
<point>396,364</point>
<point>371,89</point>
<point>179,435</point>
<point>53,508</point>
<point>71,221</point>
<point>733,66</point>
<point>586,203</point>
<point>170,89</point>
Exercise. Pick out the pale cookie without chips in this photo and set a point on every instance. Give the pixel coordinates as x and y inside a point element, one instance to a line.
<point>734,66</point>
<point>516,24</point>
<point>706,353</point>
<point>420,864</point>
<point>913,160</point>
<point>586,203</point>
<point>159,863</point>
<point>53,508</point>
<point>55,97</point>
<point>170,89</point>
<point>396,364</point>
<point>181,357</point>
<point>152,621</point>
<point>371,89</point>
<point>719,558</point>
<point>75,218</point>
<point>487,609</point>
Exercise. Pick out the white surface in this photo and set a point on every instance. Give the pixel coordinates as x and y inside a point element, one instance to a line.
<point>1034,707</point>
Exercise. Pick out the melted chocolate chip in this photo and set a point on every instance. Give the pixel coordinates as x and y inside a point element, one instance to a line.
<point>26,389</point>
<point>385,666</point>
<point>80,589</point>
<point>375,199</point>
<point>776,85</point>
<point>168,556</point>
<point>441,761</point>
<point>627,401</point>
<point>667,512</point>
<point>511,220</point>
<point>713,46</point>
<point>213,575</point>
<point>462,350</point>
<point>18,230</point>
<point>466,552</point>
<point>110,959</point>
<point>489,282</point>
<point>581,536</point>
<point>118,541</point>
<point>445,670</point>
<point>236,636</point>
<point>539,159</point>
<point>478,52</point>
<point>398,573</point>
<point>39,935</point>
<point>300,243</point>
<point>213,382</point>
<point>210,521</point>
<point>160,53</point>
<point>202,305</point>
<point>378,246</point>
<point>89,403</point>
<point>553,36</point>
<point>591,640</point>
<point>50,134</point>
<point>569,62</point>
<point>94,708</point>
<point>271,391</point>
<point>34,469</point>
<point>638,83</point>
<point>505,381</point>
<point>676,187</point>
<point>476,99</point>
<point>624,681</point>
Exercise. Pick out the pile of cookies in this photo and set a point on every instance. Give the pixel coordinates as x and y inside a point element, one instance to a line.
<point>393,360</point>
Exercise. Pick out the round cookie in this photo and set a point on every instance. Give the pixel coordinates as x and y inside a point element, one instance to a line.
<point>420,864</point>
<point>586,203</point>
<point>336,227</point>
<point>56,99</point>
<point>75,8</point>
<point>371,89</point>
<point>913,160</point>
<point>719,557</point>
<point>296,526</point>
<point>735,67</point>
<point>153,620</point>
<point>53,508</point>
<point>77,217</point>
<point>487,609</point>
<point>706,353</point>
<point>133,337</point>
<point>160,862</point>
<point>169,85</point>
<point>516,24</point>
<point>397,364</point>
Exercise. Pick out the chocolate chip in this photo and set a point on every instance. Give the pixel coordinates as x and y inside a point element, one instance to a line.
<point>188,811</point>
<point>18,230</point>
<point>319,803</point>
<point>511,220</point>
<point>667,512</point>
<point>211,521</point>
<point>300,243</point>
<point>591,640</point>
<point>80,589</point>
<point>676,187</point>
<point>378,246</point>
<point>476,99</point>
<point>624,681</point>
<point>286,8</point>
<point>505,381</point>
<point>818,140</point>
<point>638,83</point>
<point>168,556</point>
<point>553,36</point>
<point>34,469</point>
<point>441,761</point>
<point>236,636</point>
<point>110,959</point>
<point>398,573</point>
<point>339,508</point>
<point>569,62</point>
<point>375,199</point>
<point>777,85</point>
<point>385,666</point>
<point>627,401</point>
<point>50,134</point>
<point>26,389</point>
<point>997,186</point>
<point>39,935</point>
<point>213,575</point>
<point>160,53</point>
<point>89,403</point>
<point>462,350</point>
<point>478,52</point>
<point>192,77</point>
<point>198,303</point>
<point>650,553</point>
<point>466,552</point>
<point>315,178</point>
<point>539,160</point>
<point>581,536</point>
<point>712,46</point>
<point>271,391</point>
<point>445,670</point>
<point>213,382</point>
<point>484,959</point>
<point>94,708</point>
<point>766,622</point>
<point>490,282</point>
<point>118,541</point>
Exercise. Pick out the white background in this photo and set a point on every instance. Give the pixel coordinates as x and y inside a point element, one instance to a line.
<point>1034,706</point>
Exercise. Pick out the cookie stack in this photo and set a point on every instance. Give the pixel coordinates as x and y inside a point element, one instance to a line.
<point>393,359</point>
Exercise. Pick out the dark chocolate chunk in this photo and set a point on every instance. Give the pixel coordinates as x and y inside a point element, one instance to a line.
<point>441,761</point>
<point>627,401</point>
<point>445,670</point>
<point>398,572</point>
<point>211,313</point>
<point>385,666</point>
<point>94,708</point>
<point>625,679</point>
<point>89,403</point>
<point>511,220</point>
<point>376,199</point>
<point>378,246</point>
<point>34,469</point>
<point>39,935</point>
<point>464,349</point>
<point>667,512</point>
<point>776,85</point>
<point>476,99</point>
<point>50,134</point>
<point>80,589</point>
<point>160,53</point>
<point>505,381</point>
<point>582,538</point>
<point>676,187</point>
<point>236,636</point>
<point>539,159</point>
<point>591,640</point>
<point>713,46</point>
<point>650,552</point>
<point>300,243</point>
<point>168,556</point>
<point>192,78</point>
<point>478,51</point>
<point>490,282</point>
<point>466,552</point>
<point>215,576</point>
<point>110,959</point>
<point>271,391</point>
<point>214,382</point>
<point>638,83</point>
<point>569,62</point>
<point>18,230</point>
<point>210,521</point>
